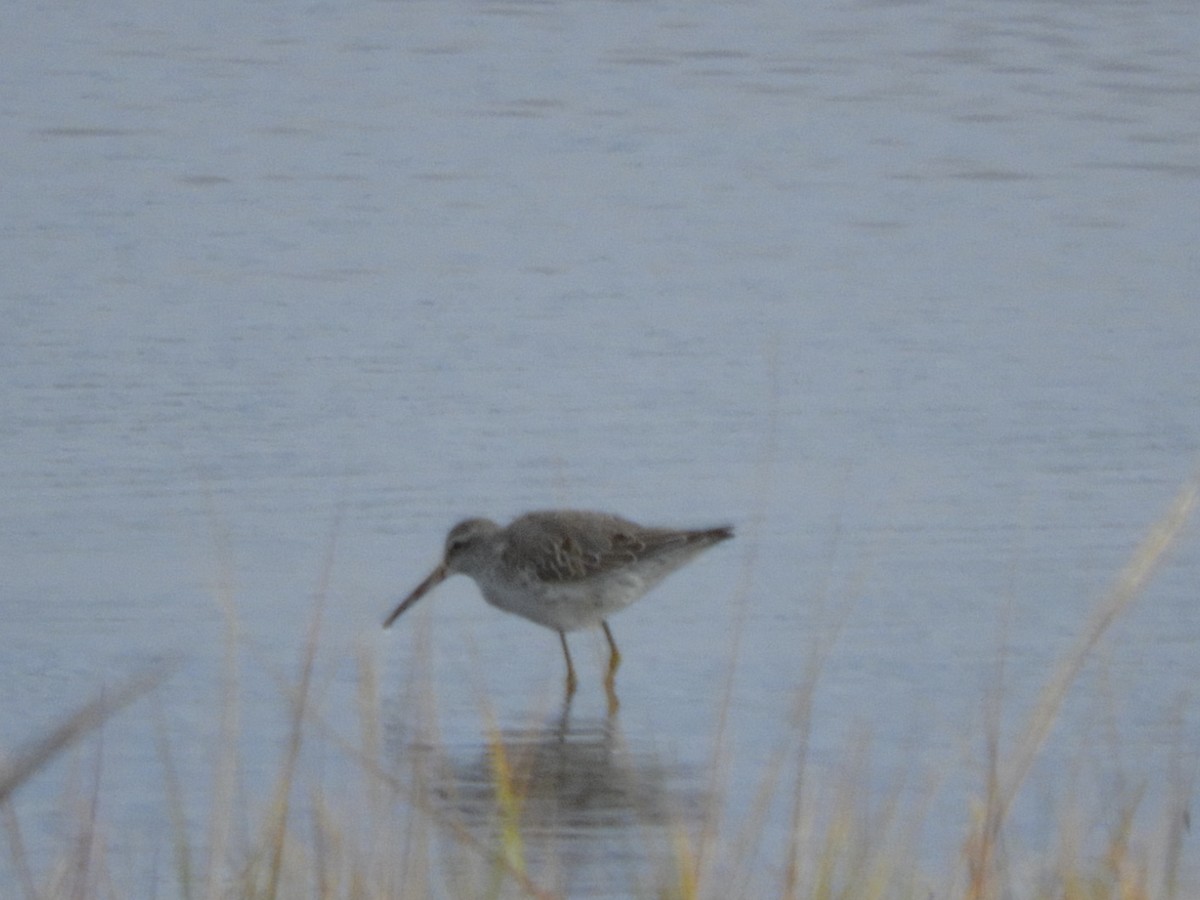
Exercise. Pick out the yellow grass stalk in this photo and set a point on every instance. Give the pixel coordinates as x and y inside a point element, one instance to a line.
<point>278,829</point>
<point>684,886</point>
<point>1006,778</point>
<point>25,763</point>
<point>225,763</point>
<point>175,808</point>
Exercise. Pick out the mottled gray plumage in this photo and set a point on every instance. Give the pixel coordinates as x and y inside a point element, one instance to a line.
<point>565,569</point>
<point>571,545</point>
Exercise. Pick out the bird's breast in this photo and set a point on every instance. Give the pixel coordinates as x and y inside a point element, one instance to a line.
<point>567,605</point>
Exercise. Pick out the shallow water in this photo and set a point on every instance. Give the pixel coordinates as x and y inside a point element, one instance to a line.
<point>906,292</point>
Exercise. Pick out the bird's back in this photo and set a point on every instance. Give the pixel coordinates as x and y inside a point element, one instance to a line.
<point>572,545</point>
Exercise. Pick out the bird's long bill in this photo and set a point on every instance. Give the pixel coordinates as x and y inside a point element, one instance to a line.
<point>436,577</point>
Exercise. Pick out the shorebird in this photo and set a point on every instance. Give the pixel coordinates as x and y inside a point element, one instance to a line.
<point>565,569</point>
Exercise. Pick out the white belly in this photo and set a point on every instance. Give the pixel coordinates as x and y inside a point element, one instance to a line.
<point>567,606</point>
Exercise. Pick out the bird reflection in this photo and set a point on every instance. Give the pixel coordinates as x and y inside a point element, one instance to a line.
<point>576,776</point>
<point>584,793</point>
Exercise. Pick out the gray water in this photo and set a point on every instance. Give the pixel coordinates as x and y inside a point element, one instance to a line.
<point>904,291</point>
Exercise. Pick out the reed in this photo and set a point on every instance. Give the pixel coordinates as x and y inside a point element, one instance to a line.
<point>395,836</point>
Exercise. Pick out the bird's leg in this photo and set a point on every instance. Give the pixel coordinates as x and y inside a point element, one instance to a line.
<point>614,661</point>
<point>562,637</point>
<point>614,656</point>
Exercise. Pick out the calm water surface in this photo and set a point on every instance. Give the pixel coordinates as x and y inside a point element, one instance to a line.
<point>907,292</point>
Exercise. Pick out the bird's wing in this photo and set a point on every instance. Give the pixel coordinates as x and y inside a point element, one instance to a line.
<point>567,546</point>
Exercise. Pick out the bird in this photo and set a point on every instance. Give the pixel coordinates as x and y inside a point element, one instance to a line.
<point>565,570</point>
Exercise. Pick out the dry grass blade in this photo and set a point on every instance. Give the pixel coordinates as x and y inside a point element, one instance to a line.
<point>277,838</point>
<point>175,806</point>
<point>458,831</point>
<point>1130,582</point>
<point>85,719</point>
<point>1005,781</point>
<point>509,801</point>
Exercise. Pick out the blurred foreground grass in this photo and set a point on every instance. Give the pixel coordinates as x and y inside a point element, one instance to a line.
<point>395,841</point>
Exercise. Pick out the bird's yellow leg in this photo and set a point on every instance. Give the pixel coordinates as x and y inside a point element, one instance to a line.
<point>614,662</point>
<point>571,680</point>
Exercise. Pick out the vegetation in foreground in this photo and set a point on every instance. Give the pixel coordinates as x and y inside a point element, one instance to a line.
<point>396,840</point>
